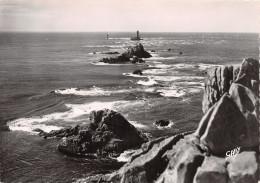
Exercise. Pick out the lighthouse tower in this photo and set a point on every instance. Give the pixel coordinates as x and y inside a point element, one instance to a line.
<point>137,34</point>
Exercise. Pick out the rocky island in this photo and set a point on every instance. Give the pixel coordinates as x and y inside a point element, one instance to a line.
<point>107,135</point>
<point>132,55</point>
<point>230,124</point>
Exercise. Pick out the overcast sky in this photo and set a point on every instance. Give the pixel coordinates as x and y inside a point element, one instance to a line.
<point>130,15</point>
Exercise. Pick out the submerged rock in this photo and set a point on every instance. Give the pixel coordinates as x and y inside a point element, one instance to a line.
<point>110,52</point>
<point>138,72</point>
<point>162,123</point>
<point>109,133</point>
<point>137,60</point>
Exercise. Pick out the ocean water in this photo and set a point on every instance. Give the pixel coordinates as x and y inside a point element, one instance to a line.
<point>53,80</point>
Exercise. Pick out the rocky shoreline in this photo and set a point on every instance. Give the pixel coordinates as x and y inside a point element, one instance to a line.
<point>230,124</point>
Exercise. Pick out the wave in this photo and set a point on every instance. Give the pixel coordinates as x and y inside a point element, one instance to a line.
<point>207,66</point>
<point>175,78</point>
<point>160,58</point>
<point>137,125</point>
<point>53,121</point>
<point>94,91</point>
<point>147,83</point>
<point>76,114</point>
<point>134,75</point>
<point>124,38</point>
<point>102,63</point>
<point>126,155</point>
<point>170,92</point>
<point>154,71</point>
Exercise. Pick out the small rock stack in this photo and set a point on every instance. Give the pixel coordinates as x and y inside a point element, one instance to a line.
<point>231,104</point>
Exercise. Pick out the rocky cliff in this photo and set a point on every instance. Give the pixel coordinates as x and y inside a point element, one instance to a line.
<point>229,127</point>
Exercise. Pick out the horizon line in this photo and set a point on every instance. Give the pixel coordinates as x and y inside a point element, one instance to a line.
<point>123,32</point>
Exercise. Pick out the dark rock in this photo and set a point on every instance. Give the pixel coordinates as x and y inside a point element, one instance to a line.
<point>213,169</point>
<point>137,51</point>
<point>119,59</point>
<point>204,122</point>
<point>243,168</point>
<point>110,52</point>
<point>226,127</point>
<point>217,82</point>
<point>248,75</point>
<point>162,123</point>
<point>4,128</point>
<point>183,163</point>
<point>169,49</point>
<point>147,163</point>
<point>109,134</point>
<point>137,60</point>
<point>138,72</point>
<point>180,53</point>
<point>153,51</point>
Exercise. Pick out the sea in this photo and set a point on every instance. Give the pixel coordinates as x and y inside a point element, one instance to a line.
<point>54,80</point>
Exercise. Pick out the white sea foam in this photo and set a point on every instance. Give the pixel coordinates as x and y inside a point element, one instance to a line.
<point>175,78</point>
<point>171,92</point>
<point>137,125</point>
<point>162,66</point>
<point>47,122</point>
<point>134,75</point>
<point>161,58</point>
<point>102,63</point>
<point>154,71</point>
<point>94,91</point>
<point>185,66</point>
<point>75,113</point>
<point>125,156</point>
<point>207,66</point>
<point>147,83</point>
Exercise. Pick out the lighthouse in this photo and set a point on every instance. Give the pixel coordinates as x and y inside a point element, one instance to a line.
<point>137,37</point>
<point>137,34</point>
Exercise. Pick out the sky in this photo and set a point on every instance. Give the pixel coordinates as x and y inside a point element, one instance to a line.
<point>130,15</point>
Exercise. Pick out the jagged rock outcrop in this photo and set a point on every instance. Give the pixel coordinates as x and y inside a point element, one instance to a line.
<point>147,162</point>
<point>229,123</point>
<point>116,60</point>
<point>108,134</point>
<point>137,51</point>
<point>219,80</point>
<point>233,120</point>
